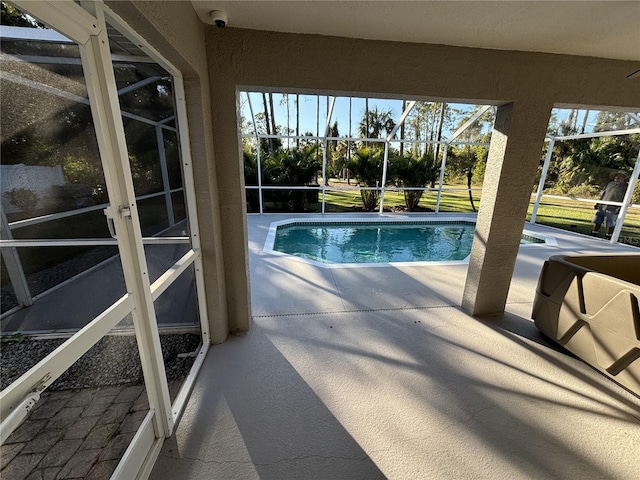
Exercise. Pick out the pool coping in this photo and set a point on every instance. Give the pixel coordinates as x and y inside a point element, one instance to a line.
<point>549,241</point>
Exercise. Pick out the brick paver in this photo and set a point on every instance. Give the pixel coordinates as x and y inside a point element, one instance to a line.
<point>100,436</point>
<point>80,464</point>
<point>27,431</point>
<point>132,421</point>
<point>98,405</point>
<point>45,474</point>
<point>21,466</point>
<point>82,398</point>
<point>116,447</point>
<point>48,406</point>
<point>60,453</point>
<point>74,434</point>
<point>8,453</point>
<point>102,470</point>
<point>43,442</point>
<point>65,417</point>
<point>141,404</point>
<point>81,428</point>
<point>114,413</point>
<point>129,394</point>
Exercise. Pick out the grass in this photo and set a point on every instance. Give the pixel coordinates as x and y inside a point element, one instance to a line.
<point>349,201</point>
<point>575,216</point>
<point>565,214</point>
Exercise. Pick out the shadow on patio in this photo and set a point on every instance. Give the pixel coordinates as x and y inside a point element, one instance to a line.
<point>376,372</point>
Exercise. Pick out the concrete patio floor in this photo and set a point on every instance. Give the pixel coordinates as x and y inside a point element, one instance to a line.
<point>376,372</point>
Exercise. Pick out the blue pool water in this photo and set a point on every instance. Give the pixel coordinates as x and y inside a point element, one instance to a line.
<point>370,242</point>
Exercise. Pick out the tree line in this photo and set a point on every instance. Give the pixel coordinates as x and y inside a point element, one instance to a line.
<point>579,167</point>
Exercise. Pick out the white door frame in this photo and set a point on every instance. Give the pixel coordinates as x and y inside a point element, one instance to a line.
<point>88,29</point>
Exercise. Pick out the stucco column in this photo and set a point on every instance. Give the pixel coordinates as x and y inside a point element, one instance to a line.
<point>230,186</point>
<point>514,155</point>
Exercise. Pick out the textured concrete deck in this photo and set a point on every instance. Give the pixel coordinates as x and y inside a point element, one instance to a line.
<point>377,373</point>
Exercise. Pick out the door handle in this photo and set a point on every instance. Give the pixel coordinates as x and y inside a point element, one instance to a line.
<point>110,225</point>
<point>123,210</point>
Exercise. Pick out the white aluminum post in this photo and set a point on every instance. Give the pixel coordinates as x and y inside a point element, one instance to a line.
<point>137,85</point>
<point>441,181</point>
<point>79,26</point>
<point>627,201</point>
<point>613,133</point>
<point>324,153</point>
<point>403,117</point>
<point>258,165</point>
<point>543,177</point>
<point>190,199</point>
<point>384,175</point>
<point>455,134</point>
<point>165,176</point>
<point>195,255</point>
<point>317,119</point>
<point>17,416</point>
<point>466,124</point>
<point>14,265</point>
<point>348,142</point>
<point>101,86</point>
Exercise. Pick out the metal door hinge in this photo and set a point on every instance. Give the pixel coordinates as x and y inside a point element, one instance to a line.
<point>124,211</point>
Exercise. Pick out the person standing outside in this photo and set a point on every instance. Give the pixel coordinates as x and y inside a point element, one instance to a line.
<point>608,214</point>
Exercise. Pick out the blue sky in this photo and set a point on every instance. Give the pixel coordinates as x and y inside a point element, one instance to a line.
<point>313,112</point>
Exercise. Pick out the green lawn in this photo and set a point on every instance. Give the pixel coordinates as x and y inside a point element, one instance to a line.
<point>565,214</point>
<point>572,215</point>
<point>349,200</point>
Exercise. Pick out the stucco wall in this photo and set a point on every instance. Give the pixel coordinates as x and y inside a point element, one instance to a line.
<point>530,84</point>
<point>317,62</point>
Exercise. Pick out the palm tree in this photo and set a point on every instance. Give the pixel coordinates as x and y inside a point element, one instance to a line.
<point>267,123</point>
<point>408,171</point>
<point>374,122</point>
<point>292,167</point>
<point>366,167</point>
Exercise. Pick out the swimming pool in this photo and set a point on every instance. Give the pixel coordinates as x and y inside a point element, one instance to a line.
<point>358,242</point>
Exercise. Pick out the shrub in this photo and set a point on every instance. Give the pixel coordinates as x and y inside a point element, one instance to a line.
<point>292,167</point>
<point>366,167</point>
<point>408,171</point>
<point>584,191</point>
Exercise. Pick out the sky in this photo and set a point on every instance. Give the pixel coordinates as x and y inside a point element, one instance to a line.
<point>313,113</point>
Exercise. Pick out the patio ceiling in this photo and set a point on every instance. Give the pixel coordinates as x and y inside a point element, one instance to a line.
<point>607,29</point>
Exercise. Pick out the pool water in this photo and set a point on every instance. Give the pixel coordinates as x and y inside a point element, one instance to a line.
<point>391,242</point>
